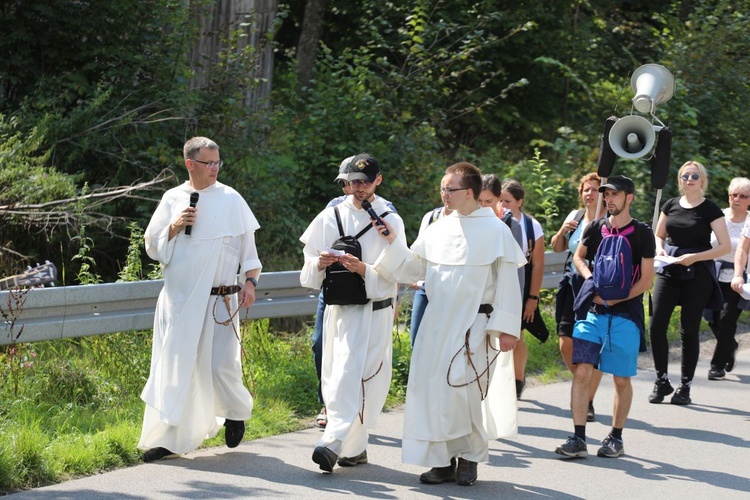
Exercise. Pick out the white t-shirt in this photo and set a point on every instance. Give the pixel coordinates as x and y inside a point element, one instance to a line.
<point>736,230</point>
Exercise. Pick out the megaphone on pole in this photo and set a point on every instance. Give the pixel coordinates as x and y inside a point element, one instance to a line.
<point>632,137</point>
<point>653,84</point>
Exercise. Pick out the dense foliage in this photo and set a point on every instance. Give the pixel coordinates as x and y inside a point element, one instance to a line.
<point>93,96</point>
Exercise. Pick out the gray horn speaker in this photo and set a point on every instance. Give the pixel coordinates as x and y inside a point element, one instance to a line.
<point>632,137</point>
<point>653,84</point>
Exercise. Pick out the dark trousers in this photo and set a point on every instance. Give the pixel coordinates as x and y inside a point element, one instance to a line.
<point>725,322</point>
<point>317,342</point>
<point>693,295</point>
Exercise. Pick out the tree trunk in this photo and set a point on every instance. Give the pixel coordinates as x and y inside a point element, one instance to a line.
<point>225,17</point>
<point>307,47</point>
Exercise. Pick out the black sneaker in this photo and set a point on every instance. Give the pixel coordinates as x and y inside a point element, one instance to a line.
<point>716,373</point>
<point>234,432</point>
<point>662,388</point>
<point>438,475</point>
<point>611,447</point>
<point>352,461</point>
<point>325,458</point>
<point>681,396</point>
<point>590,414</point>
<point>520,385</point>
<point>574,447</point>
<point>156,454</point>
<point>466,472</point>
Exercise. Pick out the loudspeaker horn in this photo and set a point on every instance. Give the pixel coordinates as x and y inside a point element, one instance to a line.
<point>632,137</point>
<point>653,84</point>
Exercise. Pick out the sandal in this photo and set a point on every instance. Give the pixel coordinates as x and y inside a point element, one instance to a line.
<point>322,419</point>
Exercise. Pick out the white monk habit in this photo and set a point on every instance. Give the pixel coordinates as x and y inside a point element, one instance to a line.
<point>357,341</point>
<point>466,261</point>
<point>196,375</point>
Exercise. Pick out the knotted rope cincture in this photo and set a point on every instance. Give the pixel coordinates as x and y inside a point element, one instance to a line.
<point>227,303</point>
<point>477,376</point>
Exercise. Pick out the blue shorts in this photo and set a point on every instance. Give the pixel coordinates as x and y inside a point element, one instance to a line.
<point>608,342</point>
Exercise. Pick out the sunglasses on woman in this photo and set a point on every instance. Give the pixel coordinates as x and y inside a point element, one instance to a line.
<point>685,177</point>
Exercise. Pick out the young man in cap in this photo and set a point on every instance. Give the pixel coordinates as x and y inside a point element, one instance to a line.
<point>461,389</point>
<point>356,368</point>
<point>608,333</point>
<point>342,179</point>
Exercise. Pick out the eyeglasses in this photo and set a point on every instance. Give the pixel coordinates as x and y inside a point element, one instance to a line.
<point>211,164</point>
<point>450,190</point>
<point>359,183</point>
<point>342,183</point>
<point>685,177</point>
<point>739,195</point>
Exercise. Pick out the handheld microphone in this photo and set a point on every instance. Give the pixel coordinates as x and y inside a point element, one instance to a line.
<point>374,215</point>
<point>193,203</point>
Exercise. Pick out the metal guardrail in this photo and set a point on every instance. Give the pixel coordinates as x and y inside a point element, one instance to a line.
<point>79,311</point>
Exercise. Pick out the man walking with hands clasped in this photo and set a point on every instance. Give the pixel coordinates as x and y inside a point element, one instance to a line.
<point>608,332</point>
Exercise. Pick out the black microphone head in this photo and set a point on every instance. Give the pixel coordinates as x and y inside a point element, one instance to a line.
<point>366,205</point>
<point>194,198</point>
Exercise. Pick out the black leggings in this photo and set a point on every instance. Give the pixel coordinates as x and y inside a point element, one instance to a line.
<point>693,295</point>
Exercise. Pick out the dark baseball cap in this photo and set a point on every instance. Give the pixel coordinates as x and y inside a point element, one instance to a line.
<point>619,183</point>
<point>364,166</point>
<point>344,170</point>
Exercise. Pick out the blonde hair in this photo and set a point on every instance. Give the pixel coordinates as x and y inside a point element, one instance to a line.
<point>701,172</point>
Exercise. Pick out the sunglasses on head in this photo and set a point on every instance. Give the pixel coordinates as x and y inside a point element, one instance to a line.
<point>685,177</point>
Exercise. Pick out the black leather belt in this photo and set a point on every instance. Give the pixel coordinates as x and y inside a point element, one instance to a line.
<point>486,309</point>
<point>381,304</point>
<point>225,290</point>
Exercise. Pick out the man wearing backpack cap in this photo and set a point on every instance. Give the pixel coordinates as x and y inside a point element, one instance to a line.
<point>608,332</point>
<point>356,368</point>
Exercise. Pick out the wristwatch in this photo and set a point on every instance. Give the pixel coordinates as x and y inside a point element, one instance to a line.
<point>535,297</point>
<point>252,280</point>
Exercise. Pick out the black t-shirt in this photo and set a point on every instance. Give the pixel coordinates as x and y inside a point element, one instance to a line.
<point>642,244</point>
<point>690,227</point>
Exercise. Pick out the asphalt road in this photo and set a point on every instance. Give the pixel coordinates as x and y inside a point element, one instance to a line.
<point>701,451</point>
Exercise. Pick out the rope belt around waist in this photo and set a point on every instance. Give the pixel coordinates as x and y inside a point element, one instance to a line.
<point>225,290</point>
<point>381,304</point>
<point>486,309</point>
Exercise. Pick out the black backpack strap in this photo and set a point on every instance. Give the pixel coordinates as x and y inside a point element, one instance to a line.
<point>338,220</point>
<point>369,226</point>
<point>507,218</point>
<point>529,234</point>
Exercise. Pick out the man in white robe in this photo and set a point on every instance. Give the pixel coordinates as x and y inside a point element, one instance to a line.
<point>195,384</point>
<point>455,402</point>
<point>357,339</point>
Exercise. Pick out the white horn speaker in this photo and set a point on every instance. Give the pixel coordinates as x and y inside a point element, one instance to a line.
<point>653,84</point>
<point>632,137</point>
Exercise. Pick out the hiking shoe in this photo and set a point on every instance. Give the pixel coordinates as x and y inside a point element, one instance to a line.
<point>574,447</point>
<point>156,454</point>
<point>438,475</point>
<point>352,461</point>
<point>611,447</point>
<point>662,388</point>
<point>716,373</point>
<point>732,358</point>
<point>590,414</point>
<point>520,385</point>
<point>466,473</point>
<point>234,432</point>
<point>325,458</point>
<point>682,396</point>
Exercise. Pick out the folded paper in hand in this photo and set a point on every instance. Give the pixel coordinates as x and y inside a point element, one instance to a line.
<point>745,293</point>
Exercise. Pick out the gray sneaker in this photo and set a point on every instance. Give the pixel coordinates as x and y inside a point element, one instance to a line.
<point>574,447</point>
<point>611,448</point>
